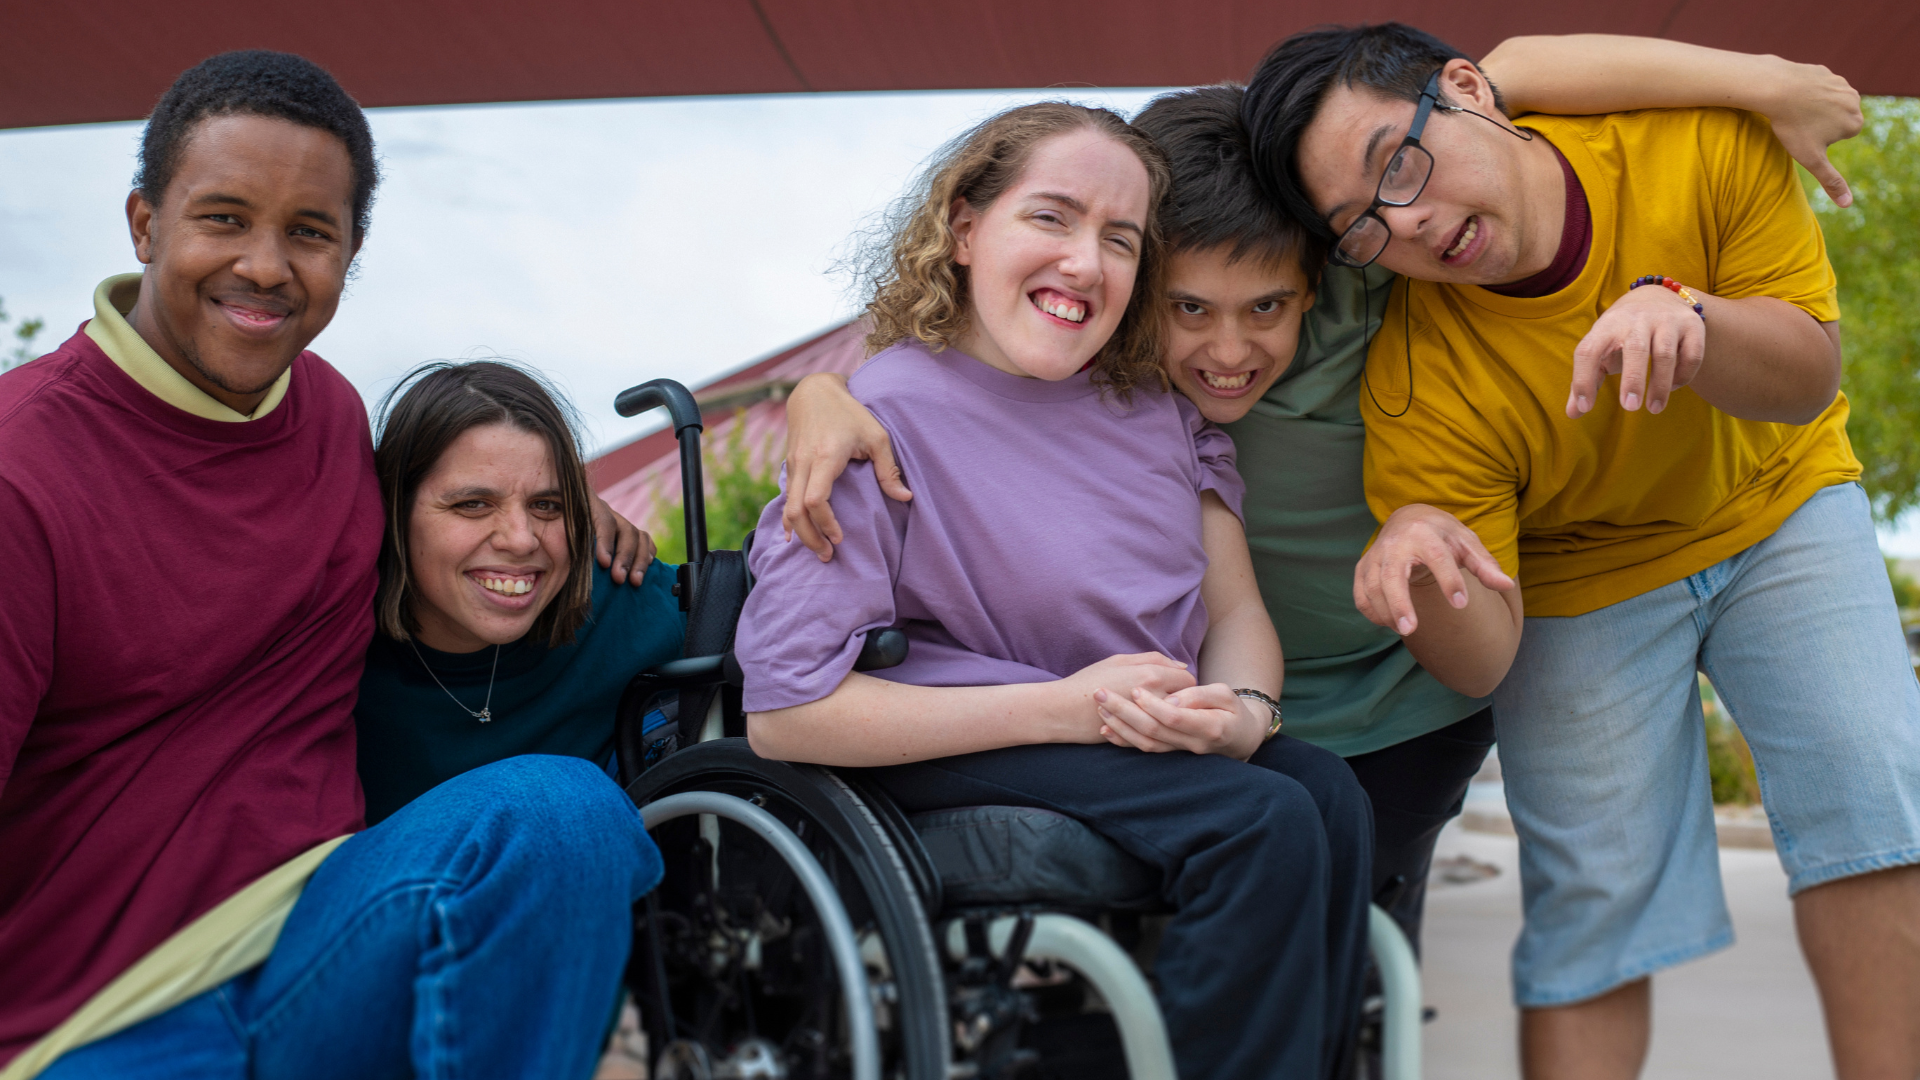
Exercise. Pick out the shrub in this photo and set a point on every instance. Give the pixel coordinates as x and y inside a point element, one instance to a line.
<point>736,493</point>
<point>24,334</point>
<point>1906,592</point>
<point>1729,759</point>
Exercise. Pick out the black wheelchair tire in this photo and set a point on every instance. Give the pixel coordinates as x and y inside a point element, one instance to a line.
<point>854,828</point>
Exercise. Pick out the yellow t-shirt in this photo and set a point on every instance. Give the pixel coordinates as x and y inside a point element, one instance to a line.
<point>1594,511</point>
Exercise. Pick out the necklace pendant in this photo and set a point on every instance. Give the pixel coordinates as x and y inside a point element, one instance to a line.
<point>484,715</point>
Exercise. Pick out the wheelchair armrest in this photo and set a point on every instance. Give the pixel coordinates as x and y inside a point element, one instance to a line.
<point>685,674</point>
<point>884,648</point>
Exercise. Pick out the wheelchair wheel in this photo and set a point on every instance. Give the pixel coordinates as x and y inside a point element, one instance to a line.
<point>730,970</point>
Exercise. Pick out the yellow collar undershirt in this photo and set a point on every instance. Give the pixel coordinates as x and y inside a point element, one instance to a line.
<point>124,346</point>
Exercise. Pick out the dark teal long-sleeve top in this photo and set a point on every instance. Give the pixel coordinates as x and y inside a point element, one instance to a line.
<point>545,700</point>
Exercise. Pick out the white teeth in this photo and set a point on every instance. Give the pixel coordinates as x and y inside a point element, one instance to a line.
<point>1473,229</point>
<point>505,587</point>
<point>519,587</point>
<point>1060,309</point>
<point>1226,382</point>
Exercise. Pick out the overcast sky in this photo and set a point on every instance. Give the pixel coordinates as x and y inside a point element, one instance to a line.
<point>606,243</point>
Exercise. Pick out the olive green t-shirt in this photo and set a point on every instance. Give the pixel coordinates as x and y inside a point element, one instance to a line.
<point>1351,687</point>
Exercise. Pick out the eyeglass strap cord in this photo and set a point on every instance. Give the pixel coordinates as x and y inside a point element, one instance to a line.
<point>1406,339</point>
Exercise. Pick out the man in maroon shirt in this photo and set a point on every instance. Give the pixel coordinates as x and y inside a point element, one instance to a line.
<point>190,521</point>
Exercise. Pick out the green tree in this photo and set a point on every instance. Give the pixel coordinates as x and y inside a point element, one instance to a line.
<point>1875,249</point>
<point>23,335</point>
<point>736,493</point>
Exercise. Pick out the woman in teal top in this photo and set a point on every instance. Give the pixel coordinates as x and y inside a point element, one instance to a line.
<point>498,635</point>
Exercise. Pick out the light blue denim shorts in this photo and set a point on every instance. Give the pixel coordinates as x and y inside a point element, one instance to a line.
<point>1603,750</point>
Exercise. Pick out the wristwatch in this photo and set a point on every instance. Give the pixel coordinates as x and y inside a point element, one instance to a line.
<point>1273,728</point>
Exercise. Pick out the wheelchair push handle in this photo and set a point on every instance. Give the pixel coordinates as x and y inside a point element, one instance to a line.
<point>685,413</point>
<point>677,400</point>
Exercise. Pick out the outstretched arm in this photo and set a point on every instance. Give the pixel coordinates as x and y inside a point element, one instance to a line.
<point>1778,364</point>
<point>1428,578</point>
<point>1809,107</point>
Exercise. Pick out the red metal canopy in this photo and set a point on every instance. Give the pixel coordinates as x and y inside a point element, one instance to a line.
<point>67,61</point>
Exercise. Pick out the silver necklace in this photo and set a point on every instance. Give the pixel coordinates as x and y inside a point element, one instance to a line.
<point>486,711</point>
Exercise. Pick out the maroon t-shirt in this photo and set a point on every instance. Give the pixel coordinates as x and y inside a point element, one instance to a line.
<point>187,607</point>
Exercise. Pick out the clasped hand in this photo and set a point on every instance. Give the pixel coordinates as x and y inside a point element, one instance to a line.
<point>1153,703</point>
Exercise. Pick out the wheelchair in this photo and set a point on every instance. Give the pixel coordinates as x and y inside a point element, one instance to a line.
<point>806,927</point>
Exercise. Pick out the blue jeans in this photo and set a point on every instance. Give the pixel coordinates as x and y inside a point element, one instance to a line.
<point>479,931</point>
<point>1604,749</point>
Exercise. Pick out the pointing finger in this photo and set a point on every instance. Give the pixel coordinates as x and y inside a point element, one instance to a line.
<point>1664,355</point>
<point>1831,181</point>
<point>1634,351</point>
<point>1399,596</point>
<point>1589,363</point>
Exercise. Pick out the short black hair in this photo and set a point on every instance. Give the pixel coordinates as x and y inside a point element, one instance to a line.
<point>276,85</point>
<point>1216,199</point>
<point>1391,59</point>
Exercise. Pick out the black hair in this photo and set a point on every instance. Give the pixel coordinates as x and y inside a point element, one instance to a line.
<point>1216,199</point>
<point>276,85</point>
<point>429,408</point>
<point>1391,59</point>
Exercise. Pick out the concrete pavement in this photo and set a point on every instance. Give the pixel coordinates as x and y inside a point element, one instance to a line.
<point>1749,1011</point>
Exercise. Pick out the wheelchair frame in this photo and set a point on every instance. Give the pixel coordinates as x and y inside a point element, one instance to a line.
<point>933,987</point>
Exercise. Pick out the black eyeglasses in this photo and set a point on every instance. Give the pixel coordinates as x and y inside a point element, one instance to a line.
<point>1405,178</point>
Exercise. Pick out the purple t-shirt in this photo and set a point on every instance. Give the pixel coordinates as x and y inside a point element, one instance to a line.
<point>1052,526</point>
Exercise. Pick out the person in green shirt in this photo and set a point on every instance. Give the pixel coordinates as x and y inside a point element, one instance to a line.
<point>498,634</point>
<point>1272,347</point>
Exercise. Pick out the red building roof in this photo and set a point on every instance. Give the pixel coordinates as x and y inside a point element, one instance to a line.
<point>65,63</point>
<point>634,478</point>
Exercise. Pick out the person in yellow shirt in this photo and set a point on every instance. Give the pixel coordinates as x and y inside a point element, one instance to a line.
<point>1578,546</point>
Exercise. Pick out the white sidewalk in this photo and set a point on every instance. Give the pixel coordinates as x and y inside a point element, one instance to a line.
<point>1749,1011</point>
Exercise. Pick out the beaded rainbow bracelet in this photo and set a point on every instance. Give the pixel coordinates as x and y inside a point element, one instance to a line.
<point>1656,279</point>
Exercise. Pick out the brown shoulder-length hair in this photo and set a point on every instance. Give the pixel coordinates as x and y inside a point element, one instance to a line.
<point>916,290</point>
<point>423,414</point>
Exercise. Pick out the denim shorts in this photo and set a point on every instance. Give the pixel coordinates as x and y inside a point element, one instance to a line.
<point>1604,754</point>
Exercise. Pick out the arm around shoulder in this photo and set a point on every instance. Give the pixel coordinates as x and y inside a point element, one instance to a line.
<point>828,429</point>
<point>1809,106</point>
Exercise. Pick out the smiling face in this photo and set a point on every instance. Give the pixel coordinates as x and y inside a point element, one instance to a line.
<point>247,253</point>
<point>1234,328</point>
<point>1051,263</point>
<point>487,540</point>
<point>1492,210</point>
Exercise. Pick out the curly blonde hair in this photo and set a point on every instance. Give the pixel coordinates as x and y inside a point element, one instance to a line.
<point>915,289</point>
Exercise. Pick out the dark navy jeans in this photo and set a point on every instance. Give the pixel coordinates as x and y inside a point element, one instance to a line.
<point>1267,864</point>
<point>479,931</point>
<point>1416,788</point>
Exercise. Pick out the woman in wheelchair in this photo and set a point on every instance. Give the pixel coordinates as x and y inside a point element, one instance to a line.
<point>498,634</point>
<point>1074,580</point>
